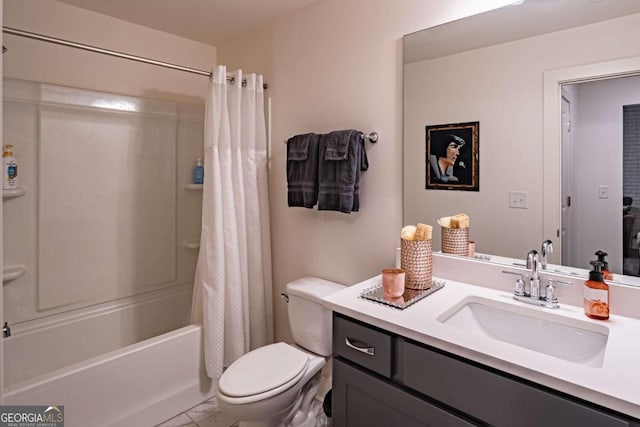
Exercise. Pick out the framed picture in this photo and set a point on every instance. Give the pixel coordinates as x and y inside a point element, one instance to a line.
<point>453,157</point>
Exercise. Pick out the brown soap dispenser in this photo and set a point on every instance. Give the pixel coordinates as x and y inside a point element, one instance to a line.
<point>596,294</point>
<point>608,275</point>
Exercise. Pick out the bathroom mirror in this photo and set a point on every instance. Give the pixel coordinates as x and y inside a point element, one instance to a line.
<point>492,68</point>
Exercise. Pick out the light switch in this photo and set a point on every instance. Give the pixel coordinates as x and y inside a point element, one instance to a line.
<point>518,199</point>
<point>603,192</point>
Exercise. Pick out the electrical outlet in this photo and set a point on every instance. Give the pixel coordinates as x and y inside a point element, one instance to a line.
<point>518,199</point>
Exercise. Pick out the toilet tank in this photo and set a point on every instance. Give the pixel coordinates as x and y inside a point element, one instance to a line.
<point>309,321</point>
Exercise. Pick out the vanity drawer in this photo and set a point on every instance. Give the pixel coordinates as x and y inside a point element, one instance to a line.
<point>494,397</point>
<point>368,347</point>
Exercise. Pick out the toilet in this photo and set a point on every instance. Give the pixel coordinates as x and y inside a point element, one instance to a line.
<point>275,385</point>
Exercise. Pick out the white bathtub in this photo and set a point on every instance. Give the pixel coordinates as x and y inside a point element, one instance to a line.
<point>88,363</point>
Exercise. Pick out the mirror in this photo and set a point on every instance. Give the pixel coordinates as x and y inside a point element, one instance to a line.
<point>505,69</point>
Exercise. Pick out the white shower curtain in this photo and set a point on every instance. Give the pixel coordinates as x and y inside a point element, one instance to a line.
<point>232,290</point>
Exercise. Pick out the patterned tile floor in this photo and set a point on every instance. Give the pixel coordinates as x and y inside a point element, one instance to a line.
<point>203,415</point>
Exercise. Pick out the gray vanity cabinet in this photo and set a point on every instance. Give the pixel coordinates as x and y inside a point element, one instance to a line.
<point>382,379</point>
<point>364,400</point>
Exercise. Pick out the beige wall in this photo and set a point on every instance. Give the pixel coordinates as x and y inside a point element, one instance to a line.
<point>333,65</point>
<point>39,61</point>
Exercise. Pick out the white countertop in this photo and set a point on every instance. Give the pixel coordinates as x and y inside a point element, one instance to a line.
<point>615,385</point>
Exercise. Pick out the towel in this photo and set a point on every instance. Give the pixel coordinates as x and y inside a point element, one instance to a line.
<point>342,157</point>
<point>302,170</point>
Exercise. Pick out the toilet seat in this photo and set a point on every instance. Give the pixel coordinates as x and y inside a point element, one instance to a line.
<point>264,372</point>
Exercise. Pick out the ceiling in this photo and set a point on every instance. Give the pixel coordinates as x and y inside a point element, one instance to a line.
<point>207,21</point>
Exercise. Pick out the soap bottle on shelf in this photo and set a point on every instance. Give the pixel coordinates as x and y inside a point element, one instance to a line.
<point>608,275</point>
<point>9,168</point>
<point>596,294</point>
<point>198,173</point>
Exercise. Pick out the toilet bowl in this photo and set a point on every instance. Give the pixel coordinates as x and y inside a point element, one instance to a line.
<point>275,385</point>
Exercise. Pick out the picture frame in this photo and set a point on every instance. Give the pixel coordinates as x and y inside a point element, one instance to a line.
<point>452,156</point>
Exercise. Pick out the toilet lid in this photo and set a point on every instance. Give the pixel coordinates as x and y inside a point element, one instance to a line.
<point>263,369</point>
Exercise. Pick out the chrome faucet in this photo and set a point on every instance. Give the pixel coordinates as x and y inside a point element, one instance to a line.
<point>534,296</point>
<point>547,248</point>
<point>533,259</point>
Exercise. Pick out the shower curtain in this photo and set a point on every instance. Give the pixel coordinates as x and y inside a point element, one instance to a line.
<point>232,290</point>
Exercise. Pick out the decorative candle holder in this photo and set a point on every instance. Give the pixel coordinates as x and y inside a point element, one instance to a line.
<point>472,248</point>
<point>393,282</point>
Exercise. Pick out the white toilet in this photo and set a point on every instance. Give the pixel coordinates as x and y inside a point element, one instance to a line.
<point>275,385</point>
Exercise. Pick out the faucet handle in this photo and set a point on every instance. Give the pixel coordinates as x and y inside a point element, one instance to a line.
<point>550,293</point>
<point>557,282</point>
<point>520,289</point>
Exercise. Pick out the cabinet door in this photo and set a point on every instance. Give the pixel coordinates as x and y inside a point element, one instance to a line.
<point>500,400</point>
<point>359,399</point>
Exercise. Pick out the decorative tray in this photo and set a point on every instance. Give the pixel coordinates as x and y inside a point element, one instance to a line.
<point>410,296</point>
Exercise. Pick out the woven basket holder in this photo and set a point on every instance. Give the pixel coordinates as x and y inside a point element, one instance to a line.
<point>455,241</point>
<point>417,262</point>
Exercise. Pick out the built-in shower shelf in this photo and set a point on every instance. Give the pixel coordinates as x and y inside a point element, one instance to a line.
<point>12,193</point>
<point>12,272</point>
<point>191,244</point>
<point>193,187</point>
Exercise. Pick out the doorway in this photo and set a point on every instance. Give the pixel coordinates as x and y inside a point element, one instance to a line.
<point>601,173</point>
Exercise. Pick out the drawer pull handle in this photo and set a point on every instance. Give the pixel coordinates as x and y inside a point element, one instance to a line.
<point>370,351</point>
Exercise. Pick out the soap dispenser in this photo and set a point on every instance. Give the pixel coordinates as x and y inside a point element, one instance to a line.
<point>9,168</point>
<point>596,294</point>
<point>198,173</point>
<point>608,275</point>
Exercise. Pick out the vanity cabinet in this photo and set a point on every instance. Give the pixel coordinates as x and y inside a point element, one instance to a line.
<point>382,379</point>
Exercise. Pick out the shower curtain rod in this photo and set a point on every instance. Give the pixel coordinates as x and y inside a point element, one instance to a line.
<point>54,40</point>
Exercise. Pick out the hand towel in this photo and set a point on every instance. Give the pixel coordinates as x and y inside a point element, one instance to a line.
<point>342,157</point>
<point>302,170</point>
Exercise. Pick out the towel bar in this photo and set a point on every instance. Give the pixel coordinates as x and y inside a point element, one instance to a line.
<point>371,137</point>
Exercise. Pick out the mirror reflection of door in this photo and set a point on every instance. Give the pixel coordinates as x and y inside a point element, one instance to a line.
<point>567,173</point>
<point>601,173</point>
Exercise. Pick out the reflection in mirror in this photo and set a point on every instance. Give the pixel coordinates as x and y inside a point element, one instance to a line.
<point>600,204</point>
<point>462,72</point>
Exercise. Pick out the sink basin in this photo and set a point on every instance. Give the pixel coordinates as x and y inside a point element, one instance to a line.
<point>570,339</point>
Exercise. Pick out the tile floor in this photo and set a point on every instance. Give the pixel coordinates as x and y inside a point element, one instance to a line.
<point>203,415</point>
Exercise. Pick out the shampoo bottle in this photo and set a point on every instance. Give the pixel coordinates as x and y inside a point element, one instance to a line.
<point>9,168</point>
<point>198,173</point>
<point>605,265</point>
<point>596,294</point>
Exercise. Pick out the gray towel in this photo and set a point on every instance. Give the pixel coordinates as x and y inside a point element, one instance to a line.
<point>302,170</point>
<point>342,157</point>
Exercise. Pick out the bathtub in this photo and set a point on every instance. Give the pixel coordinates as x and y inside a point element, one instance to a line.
<point>112,365</point>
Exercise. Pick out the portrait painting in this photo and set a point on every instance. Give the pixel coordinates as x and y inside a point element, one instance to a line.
<point>453,157</point>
